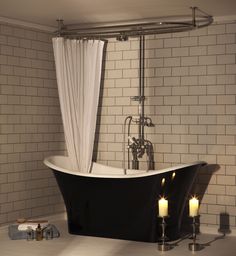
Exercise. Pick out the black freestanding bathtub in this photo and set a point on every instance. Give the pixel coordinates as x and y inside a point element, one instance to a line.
<point>109,203</point>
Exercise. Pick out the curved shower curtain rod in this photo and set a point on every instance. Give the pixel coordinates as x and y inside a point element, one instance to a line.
<point>122,30</point>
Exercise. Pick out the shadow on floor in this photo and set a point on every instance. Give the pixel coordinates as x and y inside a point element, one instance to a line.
<point>224,229</point>
<point>213,240</point>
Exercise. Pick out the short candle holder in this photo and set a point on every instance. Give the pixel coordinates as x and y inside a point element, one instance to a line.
<point>163,246</point>
<point>194,246</point>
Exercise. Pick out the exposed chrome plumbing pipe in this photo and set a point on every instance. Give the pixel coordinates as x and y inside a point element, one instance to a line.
<point>129,119</point>
<point>139,28</point>
<point>139,146</point>
<point>141,86</point>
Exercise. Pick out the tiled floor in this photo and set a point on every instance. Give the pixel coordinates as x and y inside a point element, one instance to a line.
<point>68,245</point>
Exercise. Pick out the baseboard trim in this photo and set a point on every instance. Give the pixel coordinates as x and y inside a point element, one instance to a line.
<point>204,229</point>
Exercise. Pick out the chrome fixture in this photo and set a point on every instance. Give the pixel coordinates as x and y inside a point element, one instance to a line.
<point>122,38</point>
<point>163,245</point>
<point>135,28</point>
<point>139,146</point>
<point>194,246</point>
<point>122,31</point>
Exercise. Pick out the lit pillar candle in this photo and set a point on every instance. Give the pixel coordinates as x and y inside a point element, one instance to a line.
<point>193,207</point>
<point>163,207</point>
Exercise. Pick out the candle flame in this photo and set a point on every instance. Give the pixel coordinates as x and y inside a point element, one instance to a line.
<point>163,198</point>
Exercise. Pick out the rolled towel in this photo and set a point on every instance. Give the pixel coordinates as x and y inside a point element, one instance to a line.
<point>27,225</point>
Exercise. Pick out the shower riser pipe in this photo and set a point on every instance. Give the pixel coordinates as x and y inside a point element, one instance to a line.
<point>141,87</point>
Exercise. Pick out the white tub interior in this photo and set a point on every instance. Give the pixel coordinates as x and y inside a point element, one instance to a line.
<point>62,164</point>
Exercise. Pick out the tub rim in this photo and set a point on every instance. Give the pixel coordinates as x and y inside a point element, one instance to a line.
<point>48,162</point>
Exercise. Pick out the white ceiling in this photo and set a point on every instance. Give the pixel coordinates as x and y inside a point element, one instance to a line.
<point>45,12</point>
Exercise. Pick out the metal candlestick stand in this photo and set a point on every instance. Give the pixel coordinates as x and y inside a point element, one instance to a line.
<point>194,246</point>
<point>163,246</point>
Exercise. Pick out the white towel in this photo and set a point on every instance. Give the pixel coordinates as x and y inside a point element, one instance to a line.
<point>26,225</point>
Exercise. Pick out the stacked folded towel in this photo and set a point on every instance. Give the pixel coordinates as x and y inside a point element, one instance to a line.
<point>19,230</point>
<point>31,225</point>
<point>25,224</point>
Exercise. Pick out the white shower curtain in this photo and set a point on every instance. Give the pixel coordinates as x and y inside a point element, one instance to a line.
<point>78,70</point>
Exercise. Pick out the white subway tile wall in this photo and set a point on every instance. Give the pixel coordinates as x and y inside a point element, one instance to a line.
<point>190,88</point>
<point>191,97</point>
<point>30,124</point>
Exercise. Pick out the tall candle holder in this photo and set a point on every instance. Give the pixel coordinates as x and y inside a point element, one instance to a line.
<point>163,246</point>
<point>194,246</point>
<point>193,213</point>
